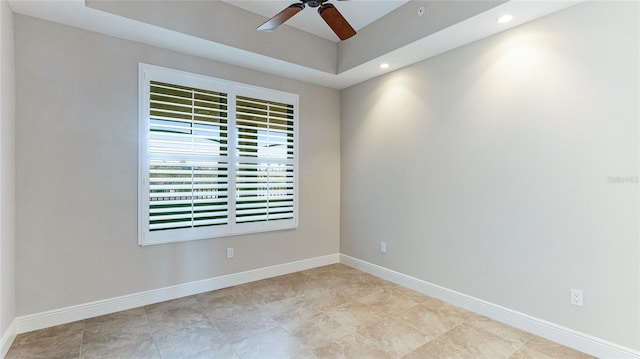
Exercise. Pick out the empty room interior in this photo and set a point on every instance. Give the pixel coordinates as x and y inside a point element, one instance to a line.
<point>338,179</point>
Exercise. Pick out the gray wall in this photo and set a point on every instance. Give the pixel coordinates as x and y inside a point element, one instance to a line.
<point>76,155</point>
<point>491,169</point>
<point>7,169</point>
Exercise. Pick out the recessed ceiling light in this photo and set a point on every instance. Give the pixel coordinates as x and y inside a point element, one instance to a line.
<point>384,66</point>
<point>505,18</point>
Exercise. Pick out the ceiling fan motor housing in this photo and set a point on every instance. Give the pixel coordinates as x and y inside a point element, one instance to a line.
<point>313,3</point>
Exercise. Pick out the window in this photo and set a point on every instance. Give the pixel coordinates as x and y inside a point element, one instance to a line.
<point>216,158</point>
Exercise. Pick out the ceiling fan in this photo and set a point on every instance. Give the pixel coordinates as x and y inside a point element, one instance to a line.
<point>327,11</point>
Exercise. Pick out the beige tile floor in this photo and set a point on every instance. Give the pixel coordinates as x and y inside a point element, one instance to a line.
<point>328,312</point>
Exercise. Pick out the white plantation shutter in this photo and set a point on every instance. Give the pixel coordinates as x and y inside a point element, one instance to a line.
<point>213,162</point>
<point>265,160</point>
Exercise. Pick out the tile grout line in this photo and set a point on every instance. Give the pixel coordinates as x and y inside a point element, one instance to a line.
<point>213,323</point>
<point>81,340</point>
<point>151,334</point>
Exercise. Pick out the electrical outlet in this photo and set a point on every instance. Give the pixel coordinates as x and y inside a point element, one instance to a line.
<point>229,252</point>
<point>577,297</point>
<point>383,247</point>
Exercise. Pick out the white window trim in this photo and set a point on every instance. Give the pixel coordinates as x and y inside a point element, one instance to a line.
<point>148,73</point>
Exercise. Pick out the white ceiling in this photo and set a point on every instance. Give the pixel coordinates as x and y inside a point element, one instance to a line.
<point>359,13</point>
<point>75,13</point>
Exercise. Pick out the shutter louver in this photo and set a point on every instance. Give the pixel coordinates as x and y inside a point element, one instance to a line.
<point>188,157</point>
<point>265,160</point>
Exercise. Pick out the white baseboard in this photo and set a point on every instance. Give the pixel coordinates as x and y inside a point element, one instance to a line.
<point>74,313</point>
<point>7,339</point>
<point>565,336</point>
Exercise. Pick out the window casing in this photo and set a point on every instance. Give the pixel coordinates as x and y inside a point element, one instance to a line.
<point>216,158</point>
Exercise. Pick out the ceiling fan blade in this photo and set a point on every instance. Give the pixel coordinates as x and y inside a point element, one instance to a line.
<point>336,21</point>
<point>281,17</point>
